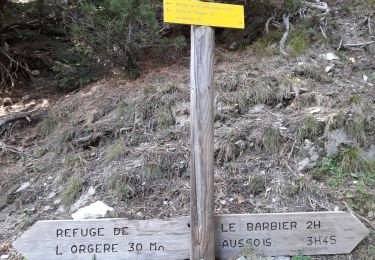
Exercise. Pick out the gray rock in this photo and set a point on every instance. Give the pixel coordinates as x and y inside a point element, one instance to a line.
<point>303,164</point>
<point>335,139</point>
<point>84,199</point>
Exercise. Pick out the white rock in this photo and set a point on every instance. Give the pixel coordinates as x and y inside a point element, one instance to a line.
<point>46,208</point>
<point>51,195</point>
<point>258,108</point>
<point>328,68</point>
<point>84,199</point>
<point>303,164</point>
<point>23,186</point>
<point>370,214</point>
<point>330,56</point>
<point>336,208</point>
<point>315,110</point>
<point>365,78</point>
<point>231,199</point>
<point>3,257</point>
<point>61,209</point>
<point>56,201</point>
<point>97,209</point>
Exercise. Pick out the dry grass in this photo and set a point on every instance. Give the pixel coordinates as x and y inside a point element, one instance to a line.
<point>271,140</point>
<point>357,129</point>
<point>309,129</point>
<point>116,151</point>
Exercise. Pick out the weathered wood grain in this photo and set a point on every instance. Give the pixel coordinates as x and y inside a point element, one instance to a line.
<point>268,234</point>
<point>202,143</point>
<point>277,234</point>
<point>149,239</point>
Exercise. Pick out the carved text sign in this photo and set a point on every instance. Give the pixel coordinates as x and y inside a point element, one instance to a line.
<point>268,234</point>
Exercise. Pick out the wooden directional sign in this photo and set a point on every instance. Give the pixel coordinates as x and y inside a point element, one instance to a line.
<point>269,234</point>
<point>204,13</point>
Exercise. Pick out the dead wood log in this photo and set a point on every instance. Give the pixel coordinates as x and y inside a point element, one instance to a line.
<point>33,115</point>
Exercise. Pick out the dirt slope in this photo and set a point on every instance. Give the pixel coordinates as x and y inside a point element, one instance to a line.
<point>281,127</point>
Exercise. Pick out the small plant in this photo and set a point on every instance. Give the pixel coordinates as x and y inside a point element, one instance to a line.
<point>117,150</point>
<point>356,128</point>
<point>72,160</point>
<point>151,170</point>
<point>300,256</point>
<point>149,90</point>
<point>263,94</point>
<point>324,168</point>
<point>292,5</point>
<point>266,45</point>
<point>298,185</point>
<point>357,104</point>
<point>118,184</point>
<point>48,125</point>
<point>351,160</point>
<point>309,129</point>
<point>299,41</point>
<point>257,184</point>
<point>71,190</point>
<point>39,152</point>
<point>165,118</point>
<point>355,100</point>
<point>336,121</point>
<point>226,151</point>
<point>65,136</point>
<point>271,140</point>
<point>123,109</point>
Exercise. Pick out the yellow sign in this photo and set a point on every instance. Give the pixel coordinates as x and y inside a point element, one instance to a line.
<point>204,13</point>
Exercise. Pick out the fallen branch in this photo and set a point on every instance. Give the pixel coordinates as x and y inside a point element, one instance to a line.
<point>14,149</point>
<point>285,35</point>
<point>369,22</point>
<point>358,216</point>
<point>358,44</point>
<point>266,27</point>
<point>319,5</point>
<point>34,115</point>
<point>7,119</point>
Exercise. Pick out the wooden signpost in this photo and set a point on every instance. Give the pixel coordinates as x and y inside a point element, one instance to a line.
<point>203,235</point>
<point>267,234</point>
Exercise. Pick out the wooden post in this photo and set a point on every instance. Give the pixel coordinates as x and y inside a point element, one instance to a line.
<point>202,143</point>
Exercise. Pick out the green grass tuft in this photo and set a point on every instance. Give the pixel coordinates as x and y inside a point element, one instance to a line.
<point>118,184</point>
<point>72,190</point>
<point>123,109</point>
<point>356,128</point>
<point>117,150</point>
<point>271,140</point>
<point>48,125</point>
<point>309,129</point>
<point>299,41</point>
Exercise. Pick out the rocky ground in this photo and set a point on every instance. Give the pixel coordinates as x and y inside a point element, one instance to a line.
<point>292,133</point>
